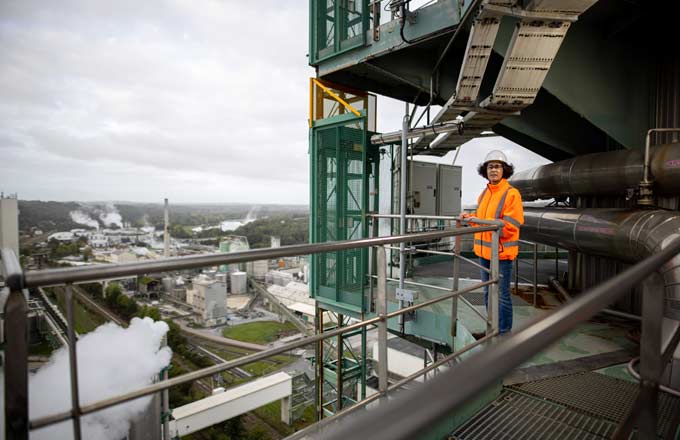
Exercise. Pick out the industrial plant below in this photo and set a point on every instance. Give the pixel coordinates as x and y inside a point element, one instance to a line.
<point>387,308</point>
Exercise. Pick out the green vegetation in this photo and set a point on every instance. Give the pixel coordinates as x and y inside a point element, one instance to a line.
<point>261,368</point>
<point>59,250</point>
<point>232,429</point>
<point>42,348</point>
<point>292,230</point>
<point>271,413</point>
<point>48,216</point>
<point>85,321</point>
<point>261,332</point>
<point>120,303</point>
<point>93,289</point>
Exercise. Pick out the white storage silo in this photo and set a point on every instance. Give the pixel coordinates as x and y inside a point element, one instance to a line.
<point>168,284</point>
<point>238,246</point>
<point>239,283</point>
<point>258,269</point>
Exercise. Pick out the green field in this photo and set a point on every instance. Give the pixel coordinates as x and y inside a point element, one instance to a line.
<point>261,332</point>
<point>85,321</point>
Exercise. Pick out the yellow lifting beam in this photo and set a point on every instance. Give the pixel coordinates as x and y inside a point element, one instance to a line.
<point>312,82</point>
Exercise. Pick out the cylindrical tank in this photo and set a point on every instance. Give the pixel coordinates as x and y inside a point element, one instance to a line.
<point>275,241</point>
<point>239,282</point>
<point>224,247</point>
<point>258,269</point>
<point>238,246</point>
<point>168,284</point>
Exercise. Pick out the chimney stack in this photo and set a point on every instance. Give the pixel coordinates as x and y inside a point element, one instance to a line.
<point>166,232</point>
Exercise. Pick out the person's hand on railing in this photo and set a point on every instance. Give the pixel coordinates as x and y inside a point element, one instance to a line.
<point>466,218</point>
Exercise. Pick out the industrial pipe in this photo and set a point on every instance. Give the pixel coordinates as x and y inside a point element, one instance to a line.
<point>626,235</point>
<point>439,128</point>
<point>611,173</point>
<point>645,190</point>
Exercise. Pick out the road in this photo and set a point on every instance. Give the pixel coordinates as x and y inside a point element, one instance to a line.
<point>240,372</point>
<point>220,340</point>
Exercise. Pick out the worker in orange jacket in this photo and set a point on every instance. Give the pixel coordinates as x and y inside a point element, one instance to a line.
<point>499,201</point>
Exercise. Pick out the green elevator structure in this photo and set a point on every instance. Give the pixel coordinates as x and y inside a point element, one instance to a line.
<point>344,170</point>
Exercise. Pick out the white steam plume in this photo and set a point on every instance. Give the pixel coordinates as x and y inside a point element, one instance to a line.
<point>111,361</point>
<point>252,214</point>
<point>82,218</point>
<point>111,216</point>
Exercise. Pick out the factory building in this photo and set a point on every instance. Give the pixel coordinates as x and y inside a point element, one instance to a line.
<point>9,223</point>
<point>209,300</point>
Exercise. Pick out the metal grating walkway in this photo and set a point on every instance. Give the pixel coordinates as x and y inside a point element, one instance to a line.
<point>599,395</point>
<point>515,415</point>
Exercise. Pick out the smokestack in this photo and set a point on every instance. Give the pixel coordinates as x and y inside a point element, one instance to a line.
<point>166,232</point>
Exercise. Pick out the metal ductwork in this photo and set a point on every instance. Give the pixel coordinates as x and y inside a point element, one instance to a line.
<point>611,173</point>
<point>625,235</point>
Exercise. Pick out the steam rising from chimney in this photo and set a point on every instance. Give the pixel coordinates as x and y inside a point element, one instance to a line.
<point>82,218</point>
<point>111,216</point>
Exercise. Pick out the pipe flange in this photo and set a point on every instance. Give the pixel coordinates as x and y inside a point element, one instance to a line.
<point>645,194</point>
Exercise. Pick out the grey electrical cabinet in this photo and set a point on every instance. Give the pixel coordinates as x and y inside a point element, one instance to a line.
<point>423,188</point>
<point>450,190</point>
<point>435,189</point>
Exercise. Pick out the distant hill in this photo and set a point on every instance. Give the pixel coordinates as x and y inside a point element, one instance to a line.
<point>50,216</point>
<point>47,216</point>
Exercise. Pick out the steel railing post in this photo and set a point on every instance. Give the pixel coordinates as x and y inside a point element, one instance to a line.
<point>454,287</point>
<point>651,365</point>
<point>371,263</point>
<point>494,307</point>
<point>402,209</point>
<point>16,350</point>
<point>165,396</point>
<point>339,365</point>
<point>382,325</point>
<point>318,358</point>
<point>517,276</point>
<point>535,272</point>
<point>73,361</point>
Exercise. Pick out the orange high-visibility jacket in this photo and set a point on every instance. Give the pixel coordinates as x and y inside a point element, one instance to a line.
<point>500,202</point>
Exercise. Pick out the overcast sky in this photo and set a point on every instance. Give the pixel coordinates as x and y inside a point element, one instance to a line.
<point>140,100</point>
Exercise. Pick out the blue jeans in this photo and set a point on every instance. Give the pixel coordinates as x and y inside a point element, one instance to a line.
<point>505,303</point>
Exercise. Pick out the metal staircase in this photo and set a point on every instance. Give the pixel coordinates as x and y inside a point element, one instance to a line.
<point>536,40</point>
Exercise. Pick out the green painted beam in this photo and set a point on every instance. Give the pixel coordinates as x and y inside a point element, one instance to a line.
<point>436,18</point>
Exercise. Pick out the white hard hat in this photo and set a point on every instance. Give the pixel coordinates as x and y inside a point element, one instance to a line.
<point>496,155</point>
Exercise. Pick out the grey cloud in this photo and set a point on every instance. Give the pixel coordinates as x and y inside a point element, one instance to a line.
<point>139,100</point>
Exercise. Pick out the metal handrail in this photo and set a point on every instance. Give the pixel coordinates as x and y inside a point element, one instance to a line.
<point>17,280</point>
<point>406,415</point>
<point>52,277</point>
<point>209,371</point>
<point>395,386</point>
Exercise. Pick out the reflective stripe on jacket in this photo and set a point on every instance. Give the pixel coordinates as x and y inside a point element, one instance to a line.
<point>500,202</point>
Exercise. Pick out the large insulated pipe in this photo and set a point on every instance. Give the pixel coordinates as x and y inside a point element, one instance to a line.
<point>611,173</point>
<point>625,235</point>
